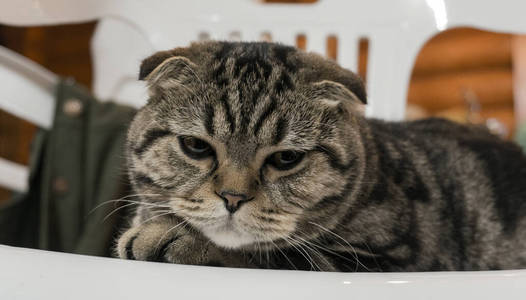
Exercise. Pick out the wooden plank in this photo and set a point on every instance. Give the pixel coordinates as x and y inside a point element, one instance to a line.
<point>301,41</point>
<point>439,92</point>
<point>363,56</point>
<point>459,33</point>
<point>65,50</point>
<point>332,47</point>
<point>519,77</point>
<point>470,49</point>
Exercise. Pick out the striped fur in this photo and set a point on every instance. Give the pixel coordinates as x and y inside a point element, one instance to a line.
<point>367,195</point>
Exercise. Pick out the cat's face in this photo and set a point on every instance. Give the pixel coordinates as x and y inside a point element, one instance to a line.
<point>239,143</point>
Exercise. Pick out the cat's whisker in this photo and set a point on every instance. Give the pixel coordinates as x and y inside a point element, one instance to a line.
<point>306,242</point>
<point>371,253</point>
<point>149,204</point>
<point>302,247</point>
<point>355,254</point>
<point>130,203</point>
<point>258,249</point>
<point>115,210</point>
<point>318,253</point>
<point>356,262</point>
<point>297,250</point>
<point>301,252</point>
<point>121,200</point>
<point>122,207</point>
<point>161,213</point>
<point>344,240</point>
<point>182,223</point>
<point>283,253</point>
<point>267,252</point>
<point>373,256</point>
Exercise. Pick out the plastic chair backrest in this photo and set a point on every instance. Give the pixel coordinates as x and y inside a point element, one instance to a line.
<point>394,34</point>
<point>131,30</point>
<point>28,93</point>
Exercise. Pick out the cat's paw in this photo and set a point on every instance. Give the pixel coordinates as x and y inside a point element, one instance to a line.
<point>161,242</point>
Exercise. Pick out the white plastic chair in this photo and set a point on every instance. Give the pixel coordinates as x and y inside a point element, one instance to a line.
<point>28,93</point>
<point>130,30</point>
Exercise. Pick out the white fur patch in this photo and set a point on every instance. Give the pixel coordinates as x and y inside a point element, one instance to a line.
<point>228,236</point>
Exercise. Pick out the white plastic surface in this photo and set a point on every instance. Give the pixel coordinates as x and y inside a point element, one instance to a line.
<point>32,274</point>
<point>27,89</point>
<point>27,92</point>
<point>13,176</point>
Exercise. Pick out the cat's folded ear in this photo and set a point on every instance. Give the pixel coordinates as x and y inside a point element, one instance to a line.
<point>333,92</point>
<point>336,95</point>
<point>316,69</point>
<point>164,72</point>
<point>151,64</point>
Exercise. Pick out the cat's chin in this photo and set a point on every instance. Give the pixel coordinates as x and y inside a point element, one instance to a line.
<point>228,237</point>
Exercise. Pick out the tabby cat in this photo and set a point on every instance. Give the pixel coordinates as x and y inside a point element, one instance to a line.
<point>259,155</point>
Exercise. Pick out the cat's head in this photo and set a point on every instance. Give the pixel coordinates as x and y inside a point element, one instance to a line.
<point>250,143</point>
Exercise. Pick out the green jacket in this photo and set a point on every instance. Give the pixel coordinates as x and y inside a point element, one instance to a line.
<point>76,166</point>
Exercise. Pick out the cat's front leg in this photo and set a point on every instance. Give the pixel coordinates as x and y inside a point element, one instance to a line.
<point>165,240</point>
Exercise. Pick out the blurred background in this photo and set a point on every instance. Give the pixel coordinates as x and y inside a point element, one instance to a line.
<point>463,74</point>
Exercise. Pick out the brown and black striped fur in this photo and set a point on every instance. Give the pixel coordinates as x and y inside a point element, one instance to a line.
<point>367,195</point>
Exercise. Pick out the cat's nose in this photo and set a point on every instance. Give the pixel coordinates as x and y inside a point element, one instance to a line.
<point>233,201</point>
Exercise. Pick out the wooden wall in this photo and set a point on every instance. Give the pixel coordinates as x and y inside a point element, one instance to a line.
<point>61,49</point>
<point>453,69</point>
<point>463,65</point>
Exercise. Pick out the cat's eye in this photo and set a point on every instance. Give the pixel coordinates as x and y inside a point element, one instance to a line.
<point>195,148</point>
<point>285,160</point>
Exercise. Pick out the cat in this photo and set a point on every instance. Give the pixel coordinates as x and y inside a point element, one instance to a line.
<point>255,154</point>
